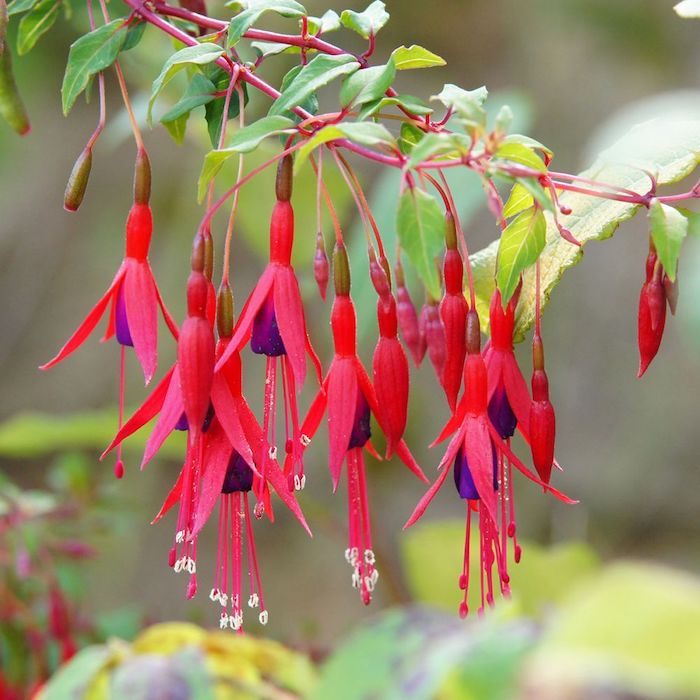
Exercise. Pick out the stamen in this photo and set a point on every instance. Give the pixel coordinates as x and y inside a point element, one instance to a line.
<point>253,600</point>
<point>305,440</point>
<point>263,617</point>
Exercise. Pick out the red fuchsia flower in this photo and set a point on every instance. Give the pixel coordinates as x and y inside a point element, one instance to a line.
<point>389,363</point>
<point>348,397</point>
<point>652,310</point>
<point>133,297</point>
<point>542,420</point>
<point>474,453</point>
<point>273,320</point>
<point>453,313</point>
<point>233,447</point>
<point>408,318</point>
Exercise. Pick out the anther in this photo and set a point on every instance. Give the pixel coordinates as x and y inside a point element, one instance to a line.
<point>369,557</point>
<point>253,600</point>
<point>263,617</point>
<point>272,452</point>
<point>305,440</point>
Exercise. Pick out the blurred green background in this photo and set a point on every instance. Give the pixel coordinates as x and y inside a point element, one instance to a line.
<point>576,72</point>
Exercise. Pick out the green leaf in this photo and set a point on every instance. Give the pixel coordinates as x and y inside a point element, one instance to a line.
<point>671,149</point>
<point>409,136</point>
<point>328,22</point>
<point>468,105</point>
<point>177,128</point>
<point>412,104</point>
<point>688,9</point>
<point>35,24</point>
<point>243,141</point>
<point>504,118</point>
<point>521,243</point>
<point>18,6</point>
<point>272,48</point>
<point>214,110</point>
<point>134,34</point>
<point>445,144</point>
<point>668,229</point>
<point>365,133</point>
<point>517,153</point>
<point>366,23</point>
<point>200,55</point>
<point>519,199</point>
<point>318,72</point>
<point>367,85</point>
<point>420,225</point>
<point>74,678</point>
<point>200,91</point>
<point>89,55</point>
<point>414,651</point>
<point>252,10</point>
<point>527,141</point>
<point>415,57</point>
<point>693,221</point>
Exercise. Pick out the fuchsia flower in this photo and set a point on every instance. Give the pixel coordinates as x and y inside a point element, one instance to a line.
<point>133,296</point>
<point>408,318</point>
<point>225,453</point>
<point>348,397</point>
<point>274,323</point>
<point>477,452</point>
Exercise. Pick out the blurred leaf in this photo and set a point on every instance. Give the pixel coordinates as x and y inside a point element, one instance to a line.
<point>29,435</point>
<point>467,104</point>
<point>251,11</point>
<point>439,144</point>
<point>134,33</point>
<point>521,243</point>
<point>35,24</point>
<point>199,92</point>
<point>693,221</point>
<point>415,57</point>
<point>214,109</point>
<point>412,104</point>
<point>668,229</point>
<point>637,626</point>
<point>17,6</point>
<point>672,150</point>
<point>368,22</point>
<point>420,225</point>
<point>73,679</point>
<point>124,622</point>
<point>518,153</point>
<point>413,651</point>
<point>318,72</point>
<point>432,556</point>
<point>688,8</point>
<point>89,55</point>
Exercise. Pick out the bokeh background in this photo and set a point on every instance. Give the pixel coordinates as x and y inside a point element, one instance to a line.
<point>576,72</point>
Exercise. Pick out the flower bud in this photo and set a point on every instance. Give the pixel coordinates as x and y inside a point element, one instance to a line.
<point>283,183</point>
<point>651,320</point>
<point>391,382</point>
<point>142,177</point>
<point>450,232</point>
<point>542,436</point>
<point>139,227</point>
<point>379,277</point>
<point>12,109</point>
<point>473,333</point>
<point>408,320</point>
<point>321,267</point>
<point>78,180</point>
<point>197,293</point>
<point>434,333</point>
<point>341,270</point>
<point>59,625</point>
<point>224,310</point>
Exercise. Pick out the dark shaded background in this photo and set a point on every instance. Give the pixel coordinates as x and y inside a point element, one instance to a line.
<point>630,448</point>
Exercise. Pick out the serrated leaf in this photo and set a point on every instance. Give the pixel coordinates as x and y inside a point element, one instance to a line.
<point>521,243</point>
<point>415,57</point>
<point>518,153</point>
<point>201,54</point>
<point>367,85</point>
<point>35,24</point>
<point>365,133</point>
<point>318,72</point>
<point>420,225</point>
<point>200,91</point>
<point>243,141</point>
<point>519,200</point>
<point>89,55</point>
<point>668,229</point>
<point>252,10</point>
<point>328,22</point>
<point>670,149</point>
<point>688,9</point>
<point>18,6</point>
<point>366,23</point>
<point>468,105</point>
<point>412,104</point>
